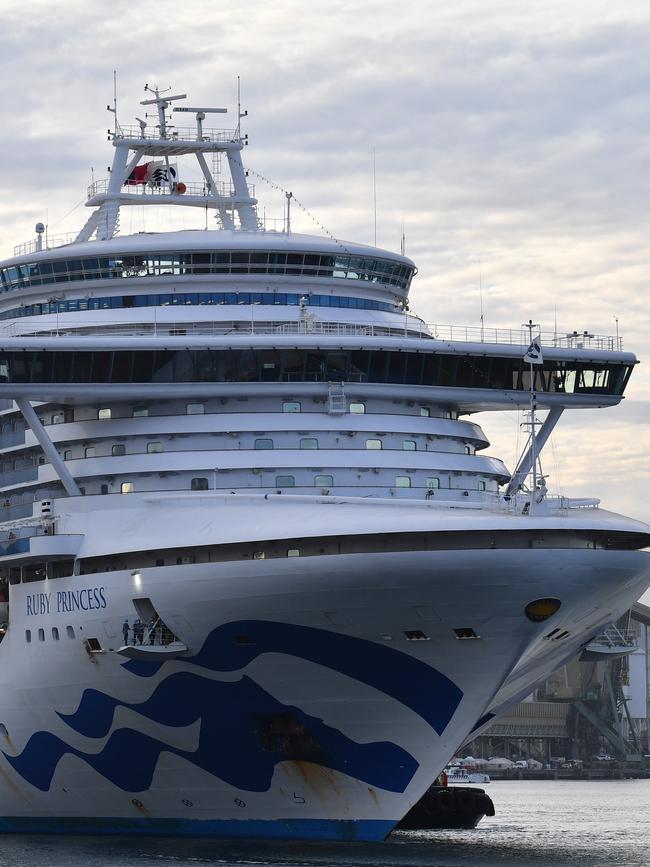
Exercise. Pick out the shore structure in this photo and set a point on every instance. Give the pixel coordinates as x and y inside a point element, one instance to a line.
<point>260,577</point>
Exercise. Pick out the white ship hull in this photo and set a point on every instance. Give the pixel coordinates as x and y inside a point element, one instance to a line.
<point>299,709</point>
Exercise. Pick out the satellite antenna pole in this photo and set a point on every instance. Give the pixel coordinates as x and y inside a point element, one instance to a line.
<point>374,192</point>
<point>480,293</point>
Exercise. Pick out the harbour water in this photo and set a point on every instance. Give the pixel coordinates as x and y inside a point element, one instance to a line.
<point>537,823</point>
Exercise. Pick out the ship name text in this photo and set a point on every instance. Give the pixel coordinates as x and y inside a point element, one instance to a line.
<point>87,599</point>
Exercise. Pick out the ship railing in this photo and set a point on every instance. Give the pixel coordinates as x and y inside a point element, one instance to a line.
<point>412,328</point>
<point>613,638</point>
<point>79,327</point>
<point>567,340</point>
<point>177,133</point>
<point>224,190</point>
<point>47,242</point>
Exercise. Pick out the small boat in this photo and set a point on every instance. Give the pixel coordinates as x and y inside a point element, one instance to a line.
<point>446,807</point>
<point>457,775</point>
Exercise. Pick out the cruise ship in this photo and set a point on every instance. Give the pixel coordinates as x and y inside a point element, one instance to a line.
<point>258,576</point>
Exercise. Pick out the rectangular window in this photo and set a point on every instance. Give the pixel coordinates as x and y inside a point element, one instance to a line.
<point>89,452</point>
<point>481,486</point>
<point>263,443</point>
<point>357,407</point>
<point>118,449</point>
<point>293,552</point>
<point>409,445</point>
<point>285,482</point>
<point>309,443</point>
<point>200,484</point>
<point>67,455</point>
<point>104,412</point>
<point>433,483</point>
<point>195,409</point>
<point>290,406</point>
<point>259,555</point>
<point>425,411</point>
<point>323,481</point>
<point>154,448</point>
<point>402,481</point>
<point>127,488</point>
<point>374,444</point>
<point>140,411</point>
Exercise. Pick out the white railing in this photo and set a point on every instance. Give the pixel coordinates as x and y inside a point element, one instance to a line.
<point>569,340</point>
<point>418,329</point>
<point>83,327</point>
<point>48,242</point>
<point>178,133</point>
<point>191,189</point>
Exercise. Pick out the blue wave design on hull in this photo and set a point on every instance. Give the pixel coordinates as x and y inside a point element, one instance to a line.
<point>233,742</point>
<point>408,680</point>
<point>229,745</point>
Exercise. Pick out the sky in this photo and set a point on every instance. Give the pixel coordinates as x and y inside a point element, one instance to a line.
<point>510,139</point>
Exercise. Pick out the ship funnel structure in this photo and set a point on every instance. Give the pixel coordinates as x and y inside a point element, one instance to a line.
<point>145,170</point>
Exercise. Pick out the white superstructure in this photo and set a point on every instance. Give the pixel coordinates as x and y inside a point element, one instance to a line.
<point>262,578</point>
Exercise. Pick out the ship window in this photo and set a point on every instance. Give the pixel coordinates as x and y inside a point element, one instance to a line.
<point>402,481</point>
<point>34,572</point>
<point>119,449</point>
<point>409,445</point>
<point>199,484</point>
<point>70,631</point>
<point>195,409</point>
<point>154,448</point>
<point>293,552</point>
<point>357,407</point>
<point>425,411</point>
<point>309,443</point>
<point>58,418</point>
<point>259,555</point>
<point>41,460</point>
<point>291,406</point>
<point>468,450</point>
<point>323,481</point>
<point>481,486</point>
<point>14,574</point>
<point>374,444</point>
<point>55,633</point>
<point>28,635</point>
<point>433,483</point>
<point>264,443</point>
<point>285,482</point>
<point>89,452</point>
<point>67,455</point>
<point>127,488</point>
<point>41,635</point>
<point>105,412</point>
<point>140,411</point>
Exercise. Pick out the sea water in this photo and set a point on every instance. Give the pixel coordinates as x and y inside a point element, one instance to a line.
<point>582,824</point>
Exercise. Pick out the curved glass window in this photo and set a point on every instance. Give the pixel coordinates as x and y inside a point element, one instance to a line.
<point>116,302</point>
<point>311,365</point>
<point>388,272</point>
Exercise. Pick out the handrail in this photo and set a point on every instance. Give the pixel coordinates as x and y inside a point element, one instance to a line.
<point>178,133</point>
<point>223,190</point>
<point>411,329</point>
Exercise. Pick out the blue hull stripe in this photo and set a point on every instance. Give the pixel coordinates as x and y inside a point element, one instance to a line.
<point>367,830</point>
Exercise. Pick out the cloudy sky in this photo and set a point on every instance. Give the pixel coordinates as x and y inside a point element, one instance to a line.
<point>512,139</point>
